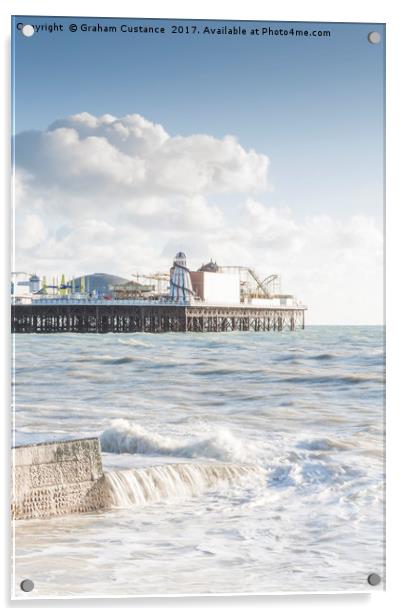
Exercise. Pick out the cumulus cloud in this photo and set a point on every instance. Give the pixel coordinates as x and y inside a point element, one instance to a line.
<point>132,157</point>
<point>122,195</point>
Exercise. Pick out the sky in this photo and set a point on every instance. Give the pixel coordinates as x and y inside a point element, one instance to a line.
<point>263,151</point>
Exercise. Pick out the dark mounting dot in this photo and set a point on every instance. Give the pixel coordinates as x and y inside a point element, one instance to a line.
<point>27,585</point>
<point>374,579</point>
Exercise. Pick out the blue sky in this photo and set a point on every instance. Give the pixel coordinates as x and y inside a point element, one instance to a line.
<point>314,106</point>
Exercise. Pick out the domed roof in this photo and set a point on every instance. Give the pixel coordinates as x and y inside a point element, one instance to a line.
<point>180,255</point>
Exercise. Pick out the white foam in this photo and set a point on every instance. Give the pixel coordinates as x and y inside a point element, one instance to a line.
<point>173,481</point>
<point>135,342</point>
<point>126,437</point>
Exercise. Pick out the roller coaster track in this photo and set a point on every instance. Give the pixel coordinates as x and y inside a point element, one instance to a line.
<point>263,285</point>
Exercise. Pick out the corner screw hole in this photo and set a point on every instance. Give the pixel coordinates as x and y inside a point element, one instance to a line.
<point>28,30</point>
<point>374,579</point>
<point>374,37</point>
<point>27,585</point>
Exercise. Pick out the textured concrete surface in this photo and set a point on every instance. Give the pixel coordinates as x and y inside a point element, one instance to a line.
<point>58,478</point>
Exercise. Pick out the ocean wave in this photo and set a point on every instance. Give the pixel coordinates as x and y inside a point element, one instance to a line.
<point>89,376</point>
<point>135,343</point>
<point>344,379</point>
<point>310,473</point>
<point>228,370</point>
<point>126,437</point>
<point>323,444</point>
<point>289,357</point>
<point>117,361</point>
<point>217,371</point>
<point>151,363</point>
<point>172,481</point>
<point>107,359</point>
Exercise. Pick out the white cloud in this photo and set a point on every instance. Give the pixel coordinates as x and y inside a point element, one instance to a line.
<point>334,265</point>
<point>122,195</point>
<point>31,231</point>
<point>132,157</point>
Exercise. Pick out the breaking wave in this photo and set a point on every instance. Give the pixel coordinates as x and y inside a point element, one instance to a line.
<point>172,481</point>
<point>126,437</point>
<point>135,343</point>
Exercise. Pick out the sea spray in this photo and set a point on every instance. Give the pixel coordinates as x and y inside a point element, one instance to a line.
<point>174,481</point>
<point>127,437</point>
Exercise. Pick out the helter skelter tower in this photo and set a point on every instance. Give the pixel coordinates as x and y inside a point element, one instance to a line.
<point>181,289</point>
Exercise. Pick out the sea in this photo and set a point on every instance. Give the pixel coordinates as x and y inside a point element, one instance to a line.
<point>241,462</point>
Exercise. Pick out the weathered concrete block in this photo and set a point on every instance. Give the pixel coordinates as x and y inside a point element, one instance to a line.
<point>58,478</point>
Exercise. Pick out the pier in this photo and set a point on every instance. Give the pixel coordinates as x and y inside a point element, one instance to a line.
<point>151,317</point>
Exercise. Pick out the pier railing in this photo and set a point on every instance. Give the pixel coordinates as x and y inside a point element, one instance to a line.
<point>71,301</point>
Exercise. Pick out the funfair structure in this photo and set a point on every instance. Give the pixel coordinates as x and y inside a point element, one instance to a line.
<point>212,298</point>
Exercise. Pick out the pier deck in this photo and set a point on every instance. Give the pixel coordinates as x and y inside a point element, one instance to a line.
<point>122,317</point>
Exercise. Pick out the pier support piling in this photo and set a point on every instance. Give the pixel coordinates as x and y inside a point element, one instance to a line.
<point>152,318</point>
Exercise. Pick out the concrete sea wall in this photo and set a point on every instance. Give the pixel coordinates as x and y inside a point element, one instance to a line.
<point>58,478</point>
